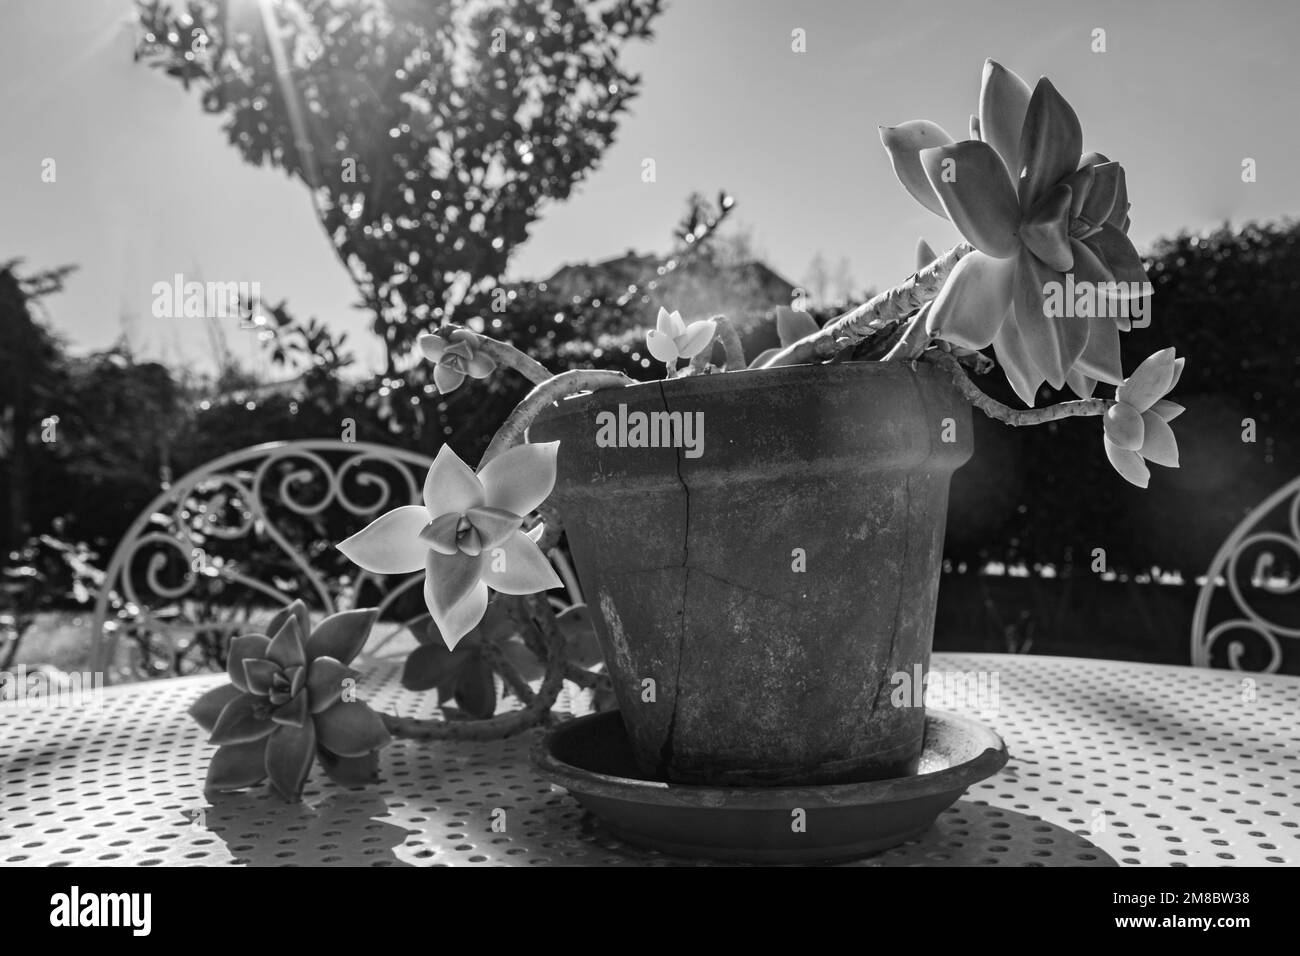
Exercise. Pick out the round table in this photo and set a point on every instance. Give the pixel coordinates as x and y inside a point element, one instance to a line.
<point>1112,763</point>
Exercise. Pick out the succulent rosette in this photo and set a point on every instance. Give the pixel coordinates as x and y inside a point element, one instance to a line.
<point>791,326</point>
<point>456,353</point>
<point>672,340</point>
<point>1035,209</point>
<point>466,535</point>
<point>289,703</point>
<point>1136,428</point>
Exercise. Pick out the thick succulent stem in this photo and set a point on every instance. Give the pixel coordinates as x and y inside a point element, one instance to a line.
<point>888,307</point>
<point>503,353</point>
<point>552,390</point>
<point>1005,413</point>
<point>541,619</point>
<point>914,339</point>
<point>726,334</point>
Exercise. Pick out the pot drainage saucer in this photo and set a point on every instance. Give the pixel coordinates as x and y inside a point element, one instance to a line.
<point>591,758</point>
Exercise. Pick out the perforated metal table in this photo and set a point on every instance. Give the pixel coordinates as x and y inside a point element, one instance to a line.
<point>1112,764</point>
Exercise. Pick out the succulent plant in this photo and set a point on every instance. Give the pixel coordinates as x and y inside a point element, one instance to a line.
<point>1034,209</point>
<point>1136,427</point>
<point>290,702</point>
<point>466,535</point>
<point>672,340</point>
<point>456,353</point>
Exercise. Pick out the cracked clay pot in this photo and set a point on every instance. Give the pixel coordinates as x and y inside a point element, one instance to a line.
<point>762,561</point>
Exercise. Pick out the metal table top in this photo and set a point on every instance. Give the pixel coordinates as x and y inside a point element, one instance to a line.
<point>1112,764</point>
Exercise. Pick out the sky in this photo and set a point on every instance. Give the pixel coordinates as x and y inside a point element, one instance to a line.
<point>147,187</point>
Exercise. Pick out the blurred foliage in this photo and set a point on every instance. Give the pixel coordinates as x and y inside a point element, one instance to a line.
<point>429,132</point>
<point>1227,301</point>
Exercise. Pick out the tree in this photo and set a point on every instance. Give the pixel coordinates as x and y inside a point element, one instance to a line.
<point>817,279</point>
<point>429,132</point>
<point>31,379</point>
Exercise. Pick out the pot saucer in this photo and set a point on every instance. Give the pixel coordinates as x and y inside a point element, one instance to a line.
<point>591,758</point>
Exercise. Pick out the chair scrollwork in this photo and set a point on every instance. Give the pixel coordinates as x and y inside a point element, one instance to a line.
<point>1250,588</point>
<point>221,548</point>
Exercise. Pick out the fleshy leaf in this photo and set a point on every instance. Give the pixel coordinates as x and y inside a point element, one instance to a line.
<point>342,635</point>
<point>1046,229</point>
<point>521,478</point>
<point>973,302</point>
<point>1050,143</point>
<point>450,486</point>
<point>349,771</point>
<point>236,766</point>
<point>1165,409</point>
<point>244,647</point>
<point>461,619</point>
<point>1101,356</point>
<point>450,577</point>
<point>207,709</point>
<point>1019,368</point>
<point>241,722</point>
<point>391,543</point>
<point>285,649</point>
<point>1004,101</point>
<point>293,714</point>
<point>351,729</point>
<point>791,326</point>
<point>669,324</point>
<point>289,755</point>
<point>447,379</point>
<point>430,664</point>
<point>476,692</point>
<point>325,677</point>
<point>1123,261</point>
<point>1159,445</point>
<point>1129,464</point>
<point>924,255</point>
<point>904,144</point>
<point>1079,383</point>
<point>1080,183</point>
<point>259,675</point>
<point>298,609</point>
<point>580,643</point>
<point>1053,343</point>
<point>696,338</point>
<point>1149,381</point>
<point>1123,427</point>
<point>1101,198</point>
<point>517,566</point>
<point>969,179</point>
<point>661,347</point>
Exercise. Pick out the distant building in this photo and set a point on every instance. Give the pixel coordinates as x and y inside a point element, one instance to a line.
<point>700,287</point>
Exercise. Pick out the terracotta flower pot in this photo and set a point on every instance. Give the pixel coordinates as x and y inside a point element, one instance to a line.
<point>755,592</point>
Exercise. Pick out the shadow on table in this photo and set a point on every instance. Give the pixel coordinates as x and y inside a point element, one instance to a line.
<point>260,829</point>
<point>966,834</point>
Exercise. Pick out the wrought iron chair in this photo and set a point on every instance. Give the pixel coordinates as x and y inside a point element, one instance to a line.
<point>1267,544</point>
<point>217,552</point>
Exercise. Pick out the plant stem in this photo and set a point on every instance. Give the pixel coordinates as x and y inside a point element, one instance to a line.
<point>503,353</point>
<point>542,619</point>
<point>914,338</point>
<point>1005,413</point>
<point>552,390</point>
<point>888,307</point>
